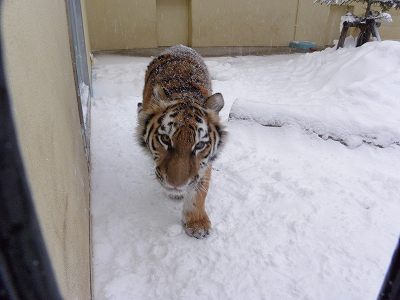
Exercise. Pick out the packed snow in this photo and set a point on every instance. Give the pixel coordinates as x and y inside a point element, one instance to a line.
<point>304,200</point>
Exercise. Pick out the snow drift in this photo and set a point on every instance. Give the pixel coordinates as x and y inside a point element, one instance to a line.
<point>351,95</point>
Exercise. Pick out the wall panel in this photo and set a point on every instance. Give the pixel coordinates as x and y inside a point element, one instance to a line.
<point>122,24</point>
<point>312,22</point>
<point>133,24</point>
<point>242,23</point>
<point>172,22</point>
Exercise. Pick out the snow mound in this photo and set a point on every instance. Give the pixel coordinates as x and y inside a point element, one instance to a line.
<point>347,95</point>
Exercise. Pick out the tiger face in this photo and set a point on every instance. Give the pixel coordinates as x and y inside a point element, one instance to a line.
<point>183,137</point>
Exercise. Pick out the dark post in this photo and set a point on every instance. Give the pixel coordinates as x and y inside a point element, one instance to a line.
<point>343,35</point>
<point>365,32</point>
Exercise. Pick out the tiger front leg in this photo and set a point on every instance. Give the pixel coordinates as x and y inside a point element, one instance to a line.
<point>195,219</point>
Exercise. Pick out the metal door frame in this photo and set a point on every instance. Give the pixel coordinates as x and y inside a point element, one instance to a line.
<point>80,65</point>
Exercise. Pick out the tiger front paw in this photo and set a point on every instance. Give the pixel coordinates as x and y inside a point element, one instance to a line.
<point>199,229</point>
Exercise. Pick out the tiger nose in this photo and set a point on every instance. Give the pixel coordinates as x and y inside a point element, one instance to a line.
<point>178,178</point>
<point>177,183</point>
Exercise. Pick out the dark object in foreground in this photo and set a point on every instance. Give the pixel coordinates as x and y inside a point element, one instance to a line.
<point>25,270</point>
<point>391,285</point>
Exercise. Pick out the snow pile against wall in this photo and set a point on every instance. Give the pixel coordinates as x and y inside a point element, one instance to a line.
<point>294,216</point>
<point>351,96</point>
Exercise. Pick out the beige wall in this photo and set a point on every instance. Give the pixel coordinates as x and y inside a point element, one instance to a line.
<point>391,31</point>
<point>311,22</point>
<point>122,24</point>
<point>242,23</point>
<point>172,22</point>
<point>131,24</point>
<point>332,30</point>
<point>41,82</point>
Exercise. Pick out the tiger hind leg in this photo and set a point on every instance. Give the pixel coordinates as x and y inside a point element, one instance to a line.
<point>195,219</point>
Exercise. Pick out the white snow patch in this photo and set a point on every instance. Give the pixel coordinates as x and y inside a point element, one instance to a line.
<point>349,17</point>
<point>347,95</point>
<point>386,17</point>
<point>295,216</point>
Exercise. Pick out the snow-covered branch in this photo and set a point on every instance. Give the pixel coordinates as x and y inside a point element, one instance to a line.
<point>384,4</point>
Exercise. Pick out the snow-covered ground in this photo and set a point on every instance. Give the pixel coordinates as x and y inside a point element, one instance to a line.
<point>304,200</point>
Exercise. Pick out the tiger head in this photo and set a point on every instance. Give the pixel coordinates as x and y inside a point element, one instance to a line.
<point>183,137</point>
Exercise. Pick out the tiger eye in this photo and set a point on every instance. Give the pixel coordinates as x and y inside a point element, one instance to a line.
<point>199,145</point>
<point>165,139</point>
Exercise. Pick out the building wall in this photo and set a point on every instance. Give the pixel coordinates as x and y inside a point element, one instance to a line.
<point>122,24</point>
<point>242,23</point>
<point>41,81</point>
<point>391,31</point>
<point>332,30</point>
<point>132,24</point>
<point>172,22</point>
<point>312,28</point>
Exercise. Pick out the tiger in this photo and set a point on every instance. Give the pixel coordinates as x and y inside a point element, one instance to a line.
<point>180,127</point>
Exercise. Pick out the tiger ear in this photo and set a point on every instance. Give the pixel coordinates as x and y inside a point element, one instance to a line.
<point>215,102</point>
<point>159,93</point>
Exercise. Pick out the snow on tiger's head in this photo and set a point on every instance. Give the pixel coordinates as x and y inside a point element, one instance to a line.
<point>183,137</point>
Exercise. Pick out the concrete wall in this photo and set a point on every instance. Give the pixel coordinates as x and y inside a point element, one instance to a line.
<point>391,31</point>
<point>310,14</point>
<point>332,30</point>
<point>41,82</point>
<point>132,24</point>
<point>242,23</point>
<point>172,22</point>
<point>122,24</point>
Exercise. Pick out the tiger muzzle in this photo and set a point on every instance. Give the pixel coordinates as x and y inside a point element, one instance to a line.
<point>180,173</point>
